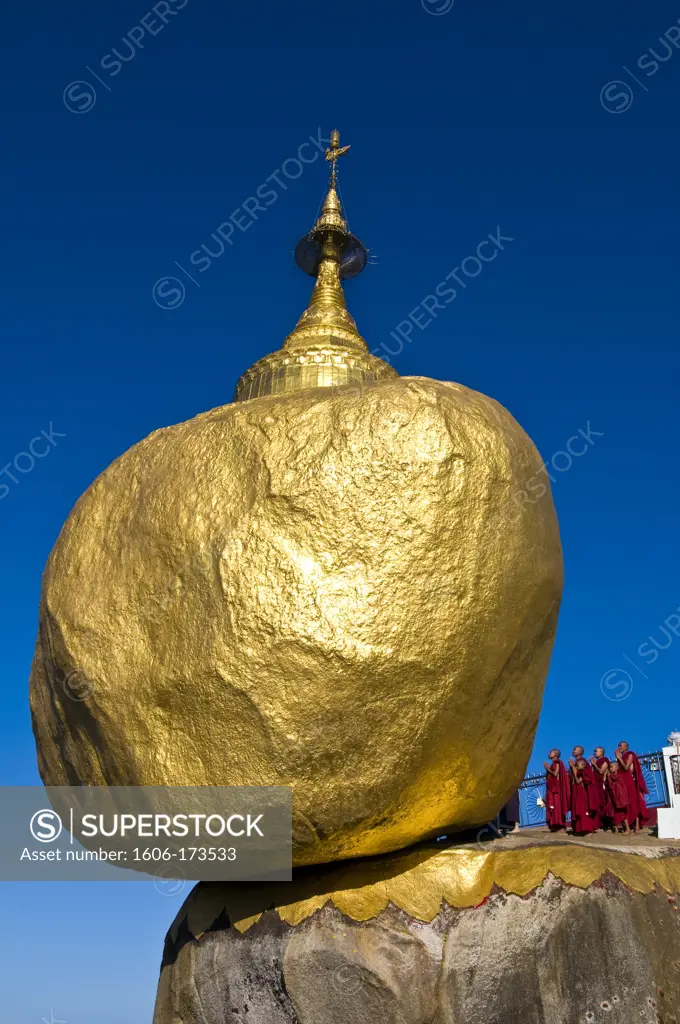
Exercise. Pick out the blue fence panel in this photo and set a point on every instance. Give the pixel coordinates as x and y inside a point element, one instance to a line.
<point>655,777</point>
<point>531,813</point>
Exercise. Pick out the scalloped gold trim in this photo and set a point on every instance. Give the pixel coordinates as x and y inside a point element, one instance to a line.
<point>418,883</point>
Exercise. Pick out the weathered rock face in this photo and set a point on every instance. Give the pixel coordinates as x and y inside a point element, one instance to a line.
<point>562,955</point>
<point>343,592</point>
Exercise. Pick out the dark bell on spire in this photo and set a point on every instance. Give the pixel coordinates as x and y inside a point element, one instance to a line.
<point>353,255</point>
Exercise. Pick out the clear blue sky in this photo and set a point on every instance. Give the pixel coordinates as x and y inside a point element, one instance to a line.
<point>486,115</point>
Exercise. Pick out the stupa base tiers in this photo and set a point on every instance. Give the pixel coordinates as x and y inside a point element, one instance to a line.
<point>519,933</point>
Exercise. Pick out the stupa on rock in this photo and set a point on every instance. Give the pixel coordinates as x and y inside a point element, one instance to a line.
<point>328,584</point>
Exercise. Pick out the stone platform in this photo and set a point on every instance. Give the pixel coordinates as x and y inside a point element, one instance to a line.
<point>532,928</point>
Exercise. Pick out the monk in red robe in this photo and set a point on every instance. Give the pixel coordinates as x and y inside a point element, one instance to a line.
<point>637,787</point>
<point>600,764</point>
<point>590,780</point>
<point>618,797</point>
<point>584,798</point>
<point>557,791</point>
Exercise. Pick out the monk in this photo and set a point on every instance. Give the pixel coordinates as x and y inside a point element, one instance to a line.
<point>557,791</point>
<point>618,797</point>
<point>589,778</point>
<point>637,787</point>
<point>576,754</point>
<point>584,798</point>
<point>600,764</point>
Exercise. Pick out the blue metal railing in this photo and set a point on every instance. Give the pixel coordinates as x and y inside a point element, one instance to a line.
<point>531,814</point>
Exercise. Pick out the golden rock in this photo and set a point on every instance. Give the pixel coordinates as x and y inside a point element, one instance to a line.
<point>330,590</point>
<point>332,584</point>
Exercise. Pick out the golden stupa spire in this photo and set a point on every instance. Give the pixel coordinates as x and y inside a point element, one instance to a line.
<point>325,349</point>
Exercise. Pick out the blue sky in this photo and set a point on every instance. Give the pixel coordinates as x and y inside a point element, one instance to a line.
<point>555,125</point>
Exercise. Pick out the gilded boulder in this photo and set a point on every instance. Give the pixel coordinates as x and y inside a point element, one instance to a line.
<point>341,590</point>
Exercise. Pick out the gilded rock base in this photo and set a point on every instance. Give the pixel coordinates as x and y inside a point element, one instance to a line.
<point>552,934</point>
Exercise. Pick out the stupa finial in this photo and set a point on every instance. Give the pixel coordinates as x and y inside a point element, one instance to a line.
<point>333,153</point>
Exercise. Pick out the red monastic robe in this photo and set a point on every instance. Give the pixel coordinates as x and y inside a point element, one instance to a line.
<point>602,791</point>
<point>618,797</point>
<point>637,787</point>
<point>557,796</point>
<point>592,782</point>
<point>585,803</point>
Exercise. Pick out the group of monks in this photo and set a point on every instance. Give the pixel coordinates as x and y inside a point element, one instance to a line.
<point>599,793</point>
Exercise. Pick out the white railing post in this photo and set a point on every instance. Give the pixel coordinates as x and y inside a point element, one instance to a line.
<point>669,817</point>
